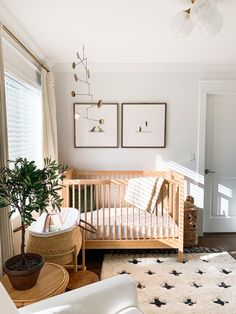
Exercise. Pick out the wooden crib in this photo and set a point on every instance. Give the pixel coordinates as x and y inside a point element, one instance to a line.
<point>100,197</point>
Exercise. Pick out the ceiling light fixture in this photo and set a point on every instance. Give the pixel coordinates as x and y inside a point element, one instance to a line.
<point>203,14</point>
<point>83,61</point>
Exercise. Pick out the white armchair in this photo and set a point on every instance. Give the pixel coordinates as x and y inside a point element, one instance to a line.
<point>117,295</point>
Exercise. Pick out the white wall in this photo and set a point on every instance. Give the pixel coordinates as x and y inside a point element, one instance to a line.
<point>180,91</point>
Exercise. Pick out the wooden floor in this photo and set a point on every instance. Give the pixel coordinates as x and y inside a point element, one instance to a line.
<point>226,241</point>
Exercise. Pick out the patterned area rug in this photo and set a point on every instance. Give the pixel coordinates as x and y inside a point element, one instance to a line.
<point>205,283</point>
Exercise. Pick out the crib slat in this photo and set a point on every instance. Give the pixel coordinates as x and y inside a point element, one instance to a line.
<point>79,198</point>
<point>174,203</point>
<point>127,221</point>
<point>157,220</point>
<point>172,210</point>
<point>126,205</point>
<point>132,222</point>
<point>139,224</point>
<point>180,222</point>
<point>97,207</point>
<point>145,225</point>
<point>73,195</point>
<point>151,226</point>
<point>103,210</point>
<point>115,202</point>
<point>109,212</point>
<point>120,212</point>
<point>68,204</point>
<point>166,204</point>
<point>162,215</point>
<point>85,206</point>
<point>85,202</point>
<point>91,204</point>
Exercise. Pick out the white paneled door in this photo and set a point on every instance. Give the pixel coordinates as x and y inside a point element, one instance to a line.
<point>220,164</point>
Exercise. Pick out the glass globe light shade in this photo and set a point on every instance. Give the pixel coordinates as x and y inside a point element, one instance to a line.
<point>203,11</point>
<point>182,24</point>
<point>214,27</point>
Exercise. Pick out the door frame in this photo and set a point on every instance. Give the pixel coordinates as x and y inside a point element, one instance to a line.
<point>227,87</point>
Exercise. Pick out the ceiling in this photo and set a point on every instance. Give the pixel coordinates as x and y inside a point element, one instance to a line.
<point>122,31</point>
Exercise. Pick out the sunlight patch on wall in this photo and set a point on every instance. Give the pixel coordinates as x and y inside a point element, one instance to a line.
<point>224,190</point>
<point>193,181</point>
<point>223,207</point>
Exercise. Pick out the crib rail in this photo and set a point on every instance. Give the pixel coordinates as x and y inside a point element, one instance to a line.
<point>100,197</point>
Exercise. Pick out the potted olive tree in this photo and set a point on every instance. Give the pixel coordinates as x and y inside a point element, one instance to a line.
<point>26,188</point>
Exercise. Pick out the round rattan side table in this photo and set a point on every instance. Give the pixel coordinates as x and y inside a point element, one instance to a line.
<point>53,280</point>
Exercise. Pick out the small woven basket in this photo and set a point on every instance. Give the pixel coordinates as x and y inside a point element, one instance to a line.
<point>58,249</point>
<point>190,225</point>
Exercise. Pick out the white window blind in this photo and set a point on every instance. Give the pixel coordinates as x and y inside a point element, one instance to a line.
<point>24,119</point>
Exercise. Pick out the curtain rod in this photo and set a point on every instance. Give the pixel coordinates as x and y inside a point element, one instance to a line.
<point>25,48</point>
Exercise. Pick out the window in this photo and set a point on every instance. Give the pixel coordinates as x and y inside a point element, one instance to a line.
<point>24,119</point>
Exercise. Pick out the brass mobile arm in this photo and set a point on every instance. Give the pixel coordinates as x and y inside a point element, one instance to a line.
<point>84,62</point>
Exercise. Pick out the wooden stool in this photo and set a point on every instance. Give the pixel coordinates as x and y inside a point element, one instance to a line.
<point>81,279</point>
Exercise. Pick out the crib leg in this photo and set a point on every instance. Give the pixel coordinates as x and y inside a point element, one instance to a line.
<point>75,259</point>
<point>180,256</point>
<point>83,251</point>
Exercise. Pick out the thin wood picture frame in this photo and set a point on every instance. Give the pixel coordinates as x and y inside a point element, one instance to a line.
<point>143,125</point>
<point>88,132</point>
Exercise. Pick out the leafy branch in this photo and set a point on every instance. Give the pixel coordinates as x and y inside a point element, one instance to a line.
<point>26,188</point>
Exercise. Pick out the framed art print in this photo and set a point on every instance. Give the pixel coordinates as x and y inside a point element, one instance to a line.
<point>144,125</point>
<point>95,125</point>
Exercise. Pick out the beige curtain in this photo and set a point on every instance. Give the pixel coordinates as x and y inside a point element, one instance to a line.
<point>50,147</point>
<point>6,243</point>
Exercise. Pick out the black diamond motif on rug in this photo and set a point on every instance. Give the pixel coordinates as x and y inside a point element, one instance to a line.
<point>224,285</point>
<point>200,272</point>
<point>220,302</point>
<point>167,286</point>
<point>157,302</point>
<point>150,272</point>
<point>189,302</point>
<point>226,272</point>
<point>196,285</point>
<point>140,286</point>
<point>159,261</point>
<point>123,272</point>
<point>135,261</point>
<point>175,273</point>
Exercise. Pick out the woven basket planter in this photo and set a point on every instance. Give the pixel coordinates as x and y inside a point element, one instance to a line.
<point>190,225</point>
<point>58,249</point>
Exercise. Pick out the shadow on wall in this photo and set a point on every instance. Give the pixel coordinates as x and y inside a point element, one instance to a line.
<point>193,181</point>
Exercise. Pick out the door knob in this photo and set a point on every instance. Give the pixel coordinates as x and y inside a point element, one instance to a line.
<point>208,171</point>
